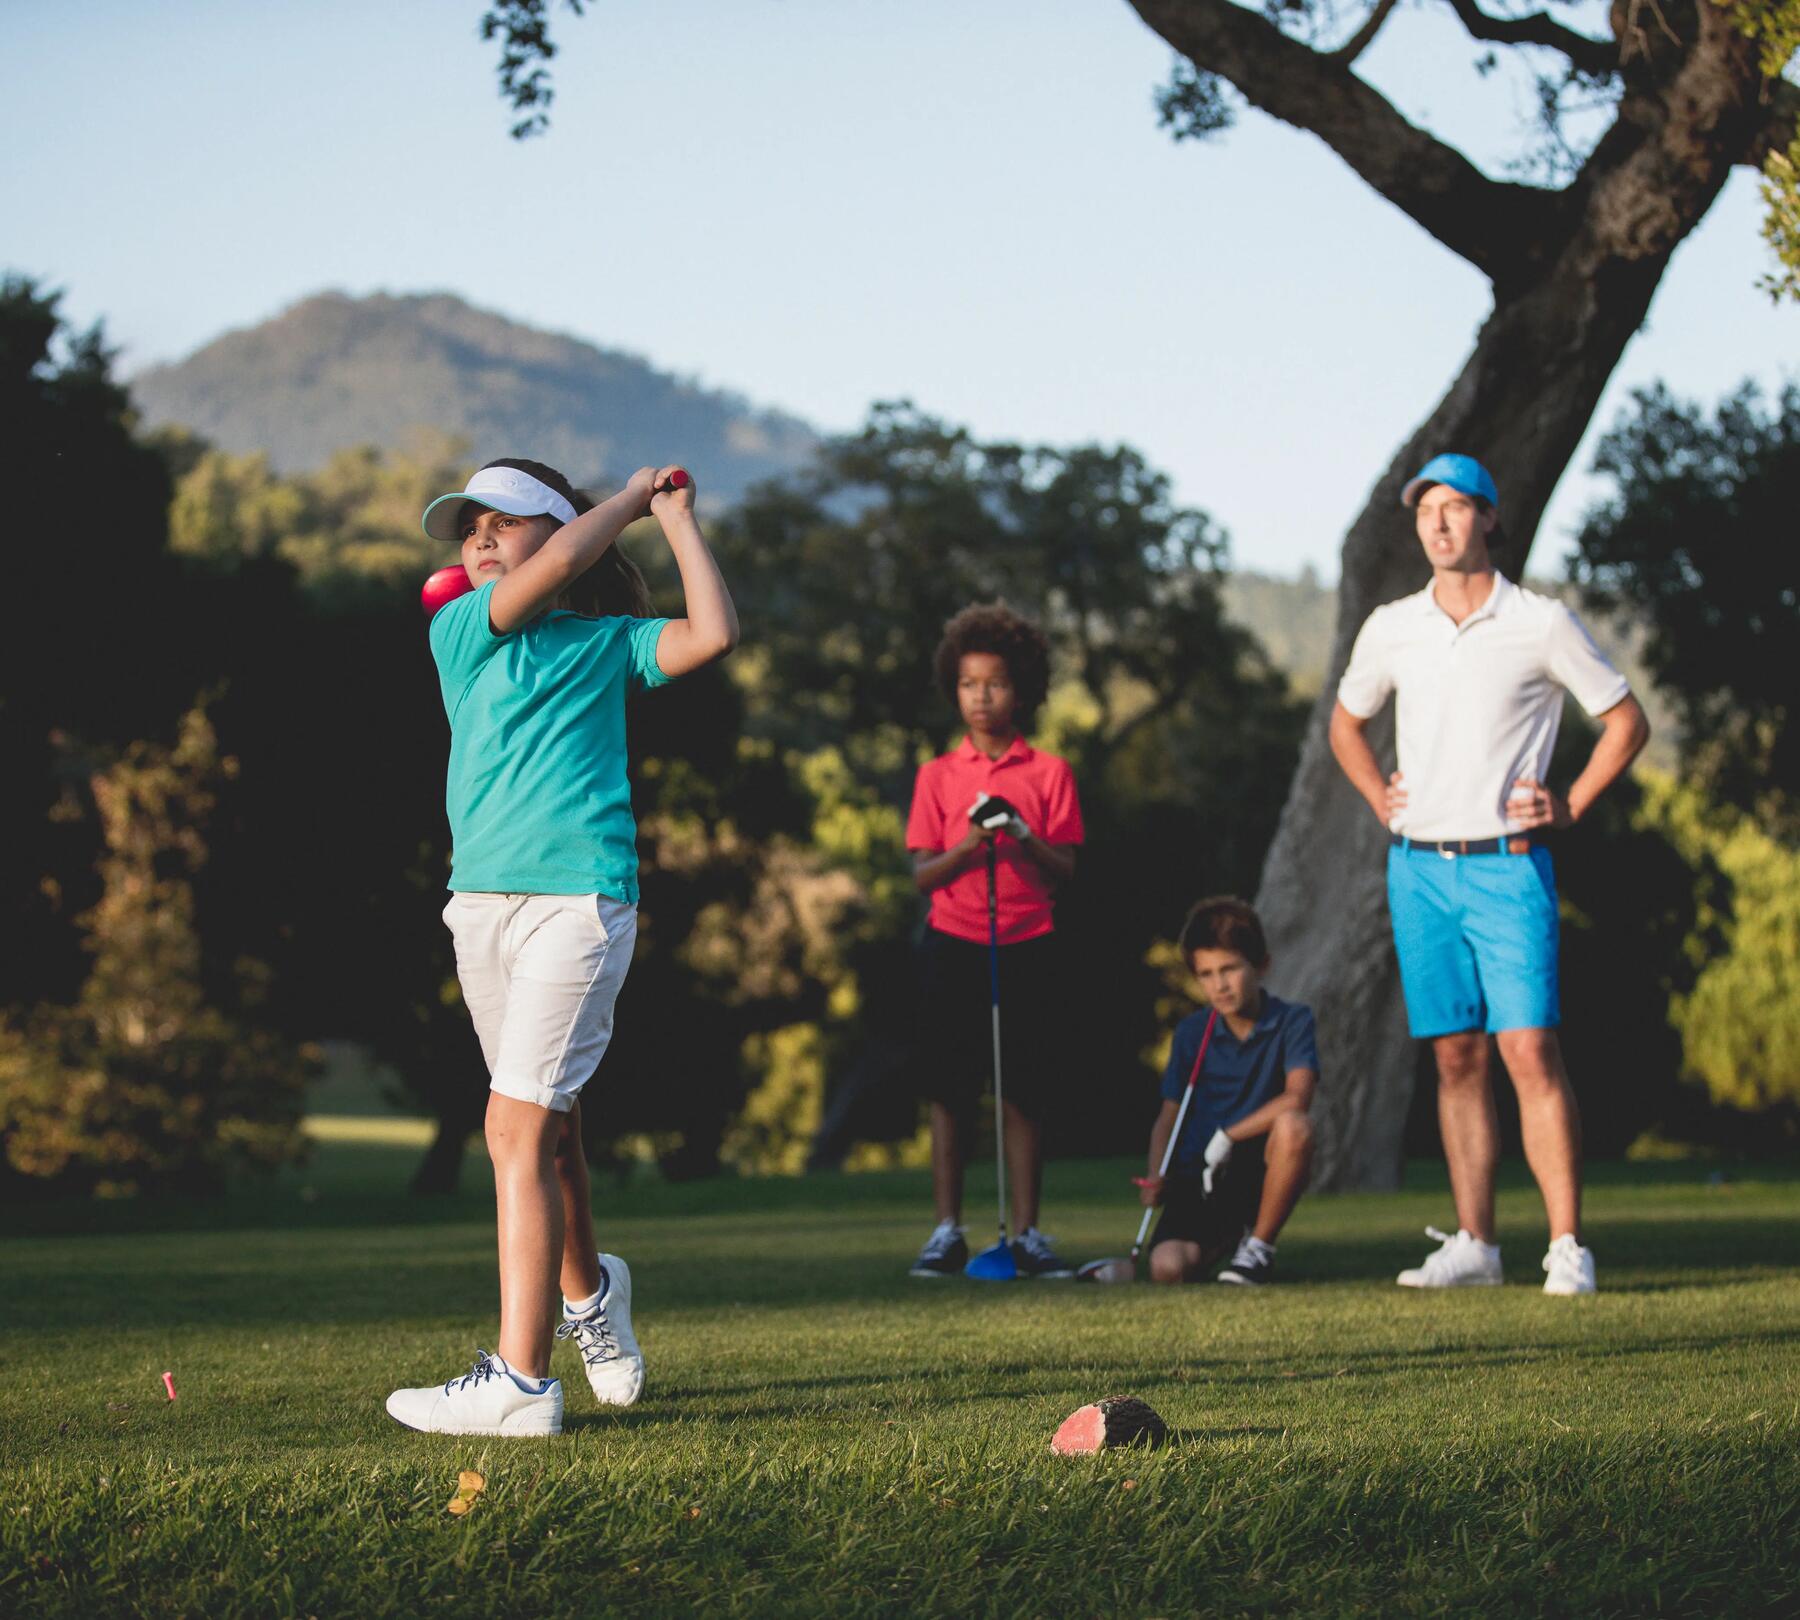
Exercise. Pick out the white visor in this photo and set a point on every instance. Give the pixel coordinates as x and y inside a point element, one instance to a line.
<point>505,489</point>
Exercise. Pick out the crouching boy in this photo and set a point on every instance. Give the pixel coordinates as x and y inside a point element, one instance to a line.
<point>1246,1143</point>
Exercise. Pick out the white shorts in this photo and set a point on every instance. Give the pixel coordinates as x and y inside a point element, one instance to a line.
<point>540,973</point>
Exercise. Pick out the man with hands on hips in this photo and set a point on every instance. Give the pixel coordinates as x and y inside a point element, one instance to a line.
<point>1477,667</point>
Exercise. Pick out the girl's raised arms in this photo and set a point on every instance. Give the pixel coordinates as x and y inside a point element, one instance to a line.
<point>533,582</point>
<point>710,629</point>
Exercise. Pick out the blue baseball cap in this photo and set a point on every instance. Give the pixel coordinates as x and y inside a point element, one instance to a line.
<point>1463,473</point>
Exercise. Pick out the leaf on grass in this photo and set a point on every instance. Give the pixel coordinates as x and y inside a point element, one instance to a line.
<point>469,1485</point>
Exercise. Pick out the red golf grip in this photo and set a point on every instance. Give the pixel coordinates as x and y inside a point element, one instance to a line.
<point>676,480</point>
<point>444,586</point>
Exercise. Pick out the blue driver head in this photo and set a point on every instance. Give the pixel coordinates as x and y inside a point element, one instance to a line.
<point>993,1265</point>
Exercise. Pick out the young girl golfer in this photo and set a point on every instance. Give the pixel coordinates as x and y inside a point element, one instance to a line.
<point>535,664</point>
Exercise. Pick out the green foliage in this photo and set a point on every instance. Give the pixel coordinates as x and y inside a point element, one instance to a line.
<point>523,29</point>
<point>1781,224</point>
<point>351,528</point>
<point>1740,1021</point>
<point>1775,25</point>
<point>1690,544</point>
<point>144,1082</point>
<point>137,629</point>
<point>1194,104</point>
<point>1167,710</point>
<point>99,578</point>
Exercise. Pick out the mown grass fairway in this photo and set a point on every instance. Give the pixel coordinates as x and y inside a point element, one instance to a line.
<point>823,1436</point>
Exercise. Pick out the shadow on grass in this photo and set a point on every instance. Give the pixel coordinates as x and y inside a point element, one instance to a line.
<point>348,1184</point>
<point>396,1276</point>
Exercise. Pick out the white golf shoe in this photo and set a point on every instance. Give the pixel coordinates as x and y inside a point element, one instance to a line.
<point>485,1400</point>
<point>1570,1267</point>
<point>1463,1261</point>
<point>615,1364</point>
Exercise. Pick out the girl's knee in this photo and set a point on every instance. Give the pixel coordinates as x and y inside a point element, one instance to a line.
<point>519,1130</point>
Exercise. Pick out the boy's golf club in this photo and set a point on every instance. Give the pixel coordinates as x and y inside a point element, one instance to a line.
<point>996,1264</point>
<point>1123,1271</point>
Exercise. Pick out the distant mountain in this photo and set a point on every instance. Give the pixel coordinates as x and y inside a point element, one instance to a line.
<point>334,371</point>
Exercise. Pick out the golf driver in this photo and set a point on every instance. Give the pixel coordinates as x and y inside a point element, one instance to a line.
<point>1116,1270</point>
<point>995,1264</point>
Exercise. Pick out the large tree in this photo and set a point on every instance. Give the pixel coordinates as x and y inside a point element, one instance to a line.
<point>1573,269</point>
<point>1673,95</point>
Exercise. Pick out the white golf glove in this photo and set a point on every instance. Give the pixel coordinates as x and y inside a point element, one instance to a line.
<point>1218,1150</point>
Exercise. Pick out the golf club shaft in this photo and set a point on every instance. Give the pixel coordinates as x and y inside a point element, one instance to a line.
<point>994,1002</point>
<point>1187,1096</point>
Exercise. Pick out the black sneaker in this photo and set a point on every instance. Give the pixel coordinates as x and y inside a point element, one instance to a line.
<point>1034,1257</point>
<point>1252,1265</point>
<point>945,1253</point>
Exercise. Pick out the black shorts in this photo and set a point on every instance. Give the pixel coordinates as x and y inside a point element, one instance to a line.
<point>954,1044</point>
<point>1215,1223</point>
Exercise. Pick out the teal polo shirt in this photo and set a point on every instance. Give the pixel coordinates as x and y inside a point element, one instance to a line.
<point>537,793</point>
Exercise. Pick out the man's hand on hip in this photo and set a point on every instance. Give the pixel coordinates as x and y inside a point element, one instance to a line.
<point>1533,804</point>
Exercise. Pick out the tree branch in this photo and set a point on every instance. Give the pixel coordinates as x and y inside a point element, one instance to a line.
<point>1360,41</point>
<point>1491,223</point>
<point>1598,58</point>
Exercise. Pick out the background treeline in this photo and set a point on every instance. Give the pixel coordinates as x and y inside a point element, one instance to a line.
<point>225,838</point>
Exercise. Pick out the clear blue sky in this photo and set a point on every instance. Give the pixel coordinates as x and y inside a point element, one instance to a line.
<point>819,203</point>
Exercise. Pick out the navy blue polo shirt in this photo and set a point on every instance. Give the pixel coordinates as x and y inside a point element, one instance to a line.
<point>1238,1076</point>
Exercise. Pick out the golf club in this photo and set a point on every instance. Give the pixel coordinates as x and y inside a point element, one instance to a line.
<point>996,1264</point>
<point>1119,1271</point>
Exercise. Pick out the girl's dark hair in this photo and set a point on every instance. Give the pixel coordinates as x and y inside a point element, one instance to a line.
<point>1224,923</point>
<point>993,627</point>
<point>614,587</point>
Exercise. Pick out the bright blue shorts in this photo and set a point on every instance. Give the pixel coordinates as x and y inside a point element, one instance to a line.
<point>1477,940</point>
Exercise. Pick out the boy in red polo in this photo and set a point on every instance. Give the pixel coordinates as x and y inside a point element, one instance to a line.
<point>995,667</point>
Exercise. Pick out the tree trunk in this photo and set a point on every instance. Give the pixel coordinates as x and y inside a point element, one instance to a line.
<point>440,1171</point>
<point>1521,404</point>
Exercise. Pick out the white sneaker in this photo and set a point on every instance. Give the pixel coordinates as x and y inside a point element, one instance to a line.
<point>485,1400</point>
<point>1571,1267</point>
<point>615,1364</point>
<point>1464,1261</point>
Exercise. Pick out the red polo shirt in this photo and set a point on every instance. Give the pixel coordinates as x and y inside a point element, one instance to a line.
<point>1042,787</point>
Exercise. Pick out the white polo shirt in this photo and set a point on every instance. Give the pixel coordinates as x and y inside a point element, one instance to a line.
<point>1477,704</point>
